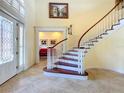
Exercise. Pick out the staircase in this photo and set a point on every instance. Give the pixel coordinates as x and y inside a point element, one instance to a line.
<point>71,64</point>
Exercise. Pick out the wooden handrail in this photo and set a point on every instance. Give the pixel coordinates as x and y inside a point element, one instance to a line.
<point>97,23</point>
<point>59,42</point>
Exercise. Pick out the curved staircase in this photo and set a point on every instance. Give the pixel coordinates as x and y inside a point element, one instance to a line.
<point>68,65</point>
<point>71,64</point>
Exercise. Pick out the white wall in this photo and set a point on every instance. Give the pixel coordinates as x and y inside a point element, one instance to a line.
<point>29,33</point>
<point>108,53</point>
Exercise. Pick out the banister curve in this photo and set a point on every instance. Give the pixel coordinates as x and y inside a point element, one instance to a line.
<point>59,42</point>
<point>97,23</point>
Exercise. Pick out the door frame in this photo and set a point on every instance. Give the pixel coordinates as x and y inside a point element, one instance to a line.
<point>49,29</point>
<point>18,41</point>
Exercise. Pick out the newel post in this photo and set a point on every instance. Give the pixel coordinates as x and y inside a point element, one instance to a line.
<point>49,59</point>
<point>51,54</point>
<point>80,61</point>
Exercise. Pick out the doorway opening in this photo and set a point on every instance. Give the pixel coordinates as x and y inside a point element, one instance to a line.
<point>47,37</point>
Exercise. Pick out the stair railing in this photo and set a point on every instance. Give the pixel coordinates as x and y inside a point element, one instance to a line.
<point>104,24</point>
<point>54,52</point>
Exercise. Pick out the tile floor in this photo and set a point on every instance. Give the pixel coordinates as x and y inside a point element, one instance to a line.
<point>33,81</point>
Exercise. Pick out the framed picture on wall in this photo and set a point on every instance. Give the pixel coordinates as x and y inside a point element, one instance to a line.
<point>44,41</point>
<point>53,42</point>
<point>58,10</point>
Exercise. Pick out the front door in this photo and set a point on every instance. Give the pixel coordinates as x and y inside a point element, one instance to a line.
<point>11,47</point>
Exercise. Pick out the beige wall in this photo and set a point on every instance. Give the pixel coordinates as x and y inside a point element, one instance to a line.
<point>29,33</point>
<point>108,53</point>
<point>82,14</point>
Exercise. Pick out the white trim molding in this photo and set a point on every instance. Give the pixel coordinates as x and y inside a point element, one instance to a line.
<point>51,29</point>
<point>9,10</point>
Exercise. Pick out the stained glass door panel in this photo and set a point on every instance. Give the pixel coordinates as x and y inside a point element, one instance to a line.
<point>8,60</point>
<point>6,41</point>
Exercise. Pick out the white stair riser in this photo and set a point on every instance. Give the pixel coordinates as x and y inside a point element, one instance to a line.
<point>70,56</point>
<point>110,31</point>
<point>117,27</point>
<point>67,68</point>
<point>66,76</point>
<point>73,52</point>
<point>120,25</point>
<point>67,61</point>
<point>122,21</point>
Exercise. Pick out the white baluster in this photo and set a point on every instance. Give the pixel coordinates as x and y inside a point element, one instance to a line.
<point>113,17</point>
<point>99,28</point>
<point>53,57</point>
<point>122,8</point>
<point>110,17</point>
<point>120,12</point>
<point>49,58</point>
<point>80,61</point>
<point>117,14</point>
<point>103,25</point>
<point>79,71</point>
<point>109,21</point>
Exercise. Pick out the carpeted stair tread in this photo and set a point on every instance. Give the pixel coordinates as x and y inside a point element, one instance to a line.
<point>71,59</point>
<point>65,64</point>
<point>70,54</point>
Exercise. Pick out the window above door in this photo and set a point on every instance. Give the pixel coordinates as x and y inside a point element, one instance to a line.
<point>18,5</point>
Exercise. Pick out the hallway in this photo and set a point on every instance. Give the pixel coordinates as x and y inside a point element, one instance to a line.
<point>33,81</point>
